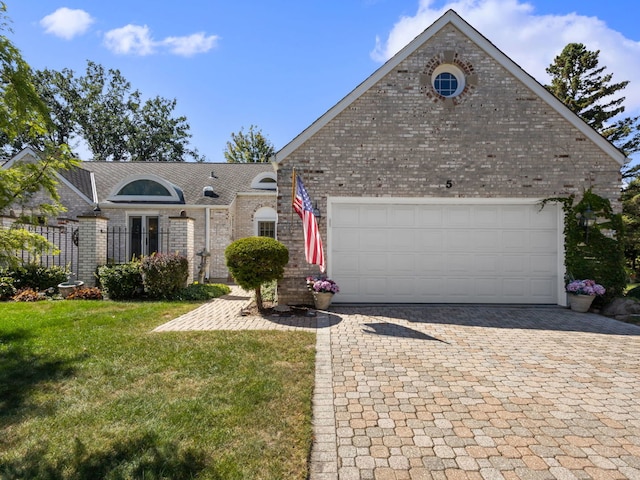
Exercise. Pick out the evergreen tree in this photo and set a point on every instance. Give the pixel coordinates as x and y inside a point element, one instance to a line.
<point>582,85</point>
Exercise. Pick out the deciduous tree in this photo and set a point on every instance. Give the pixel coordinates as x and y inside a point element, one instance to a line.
<point>23,115</point>
<point>252,147</point>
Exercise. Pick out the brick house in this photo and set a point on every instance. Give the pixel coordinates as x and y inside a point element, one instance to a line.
<point>429,177</point>
<point>127,209</point>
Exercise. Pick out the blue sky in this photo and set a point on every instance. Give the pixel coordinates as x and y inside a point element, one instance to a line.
<point>280,65</point>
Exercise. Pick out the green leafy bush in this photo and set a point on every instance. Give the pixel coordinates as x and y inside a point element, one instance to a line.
<point>634,293</point>
<point>596,253</point>
<point>253,261</point>
<point>7,288</point>
<point>201,292</point>
<point>121,282</point>
<point>37,277</point>
<point>163,275</point>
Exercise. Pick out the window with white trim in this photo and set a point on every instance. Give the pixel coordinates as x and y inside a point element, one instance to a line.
<point>265,220</point>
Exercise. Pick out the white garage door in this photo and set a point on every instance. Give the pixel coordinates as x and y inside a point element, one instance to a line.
<point>444,253</point>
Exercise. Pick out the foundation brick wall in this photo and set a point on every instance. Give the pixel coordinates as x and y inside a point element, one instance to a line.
<point>399,140</point>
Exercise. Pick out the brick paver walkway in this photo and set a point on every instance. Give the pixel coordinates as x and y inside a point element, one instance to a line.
<point>448,392</point>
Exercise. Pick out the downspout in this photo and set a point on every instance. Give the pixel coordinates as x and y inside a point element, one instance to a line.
<point>207,237</point>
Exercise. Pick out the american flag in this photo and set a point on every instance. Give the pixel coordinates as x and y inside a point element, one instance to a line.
<point>312,241</point>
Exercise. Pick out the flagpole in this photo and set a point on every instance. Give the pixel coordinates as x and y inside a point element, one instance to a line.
<point>293,185</point>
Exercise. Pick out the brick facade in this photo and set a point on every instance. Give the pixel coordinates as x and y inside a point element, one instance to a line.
<point>397,139</point>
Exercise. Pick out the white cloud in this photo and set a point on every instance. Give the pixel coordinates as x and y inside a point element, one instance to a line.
<point>67,23</point>
<point>530,40</point>
<point>191,45</point>
<point>130,40</point>
<point>137,40</point>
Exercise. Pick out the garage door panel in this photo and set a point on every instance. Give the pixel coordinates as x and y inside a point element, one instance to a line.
<point>544,265</point>
<point>487,264</point>
<point>345,216</point>
<point>373,240</point>
<point>429,239</point>
<point>515,265</point>
<point>430,263</point>
<point>373,264</point>
<point>487,216</point>
<point>444,253</point>
<point>349,263</point>
<point>545,218</point>
<point>543,241</point>
<point>373,216</point>
<point>484,240</point>
<point>374,286</point>
<point>404,242</point>
<point>458,216</point>
<point>457,241</point>
<point>515,240</point>
<point>403,216</point>
<point>346,238</point>
<point>543,287</point>
<point>402,263</point>
<point>459,263</point>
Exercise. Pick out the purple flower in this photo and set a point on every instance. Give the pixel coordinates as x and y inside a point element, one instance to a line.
<point>322,285</point>
<point>585,287</point>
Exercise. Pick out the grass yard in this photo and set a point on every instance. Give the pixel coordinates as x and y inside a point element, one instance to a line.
<point>87,391</point>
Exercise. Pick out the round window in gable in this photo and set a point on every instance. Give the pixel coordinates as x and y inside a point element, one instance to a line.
<point>448,80</point>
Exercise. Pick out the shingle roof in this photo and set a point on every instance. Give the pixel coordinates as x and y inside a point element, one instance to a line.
<point>81,179</point>
<point>229,178</point>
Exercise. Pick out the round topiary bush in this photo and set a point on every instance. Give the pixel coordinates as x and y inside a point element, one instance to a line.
<point>253,261</point>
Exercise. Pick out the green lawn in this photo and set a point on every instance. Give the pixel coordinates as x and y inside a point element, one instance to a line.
<point>87,391</point>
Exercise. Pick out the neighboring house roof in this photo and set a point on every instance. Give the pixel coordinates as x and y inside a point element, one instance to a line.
<point>451,17</point>
<point>226,179</point>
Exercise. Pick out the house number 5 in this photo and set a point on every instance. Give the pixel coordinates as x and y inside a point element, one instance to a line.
<point>449,184</point>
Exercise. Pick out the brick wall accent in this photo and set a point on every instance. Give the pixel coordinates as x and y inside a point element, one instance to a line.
<point>92,247</point>
<point>182,241</point>
<point>398,140</point>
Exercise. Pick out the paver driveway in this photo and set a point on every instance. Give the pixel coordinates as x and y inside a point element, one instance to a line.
<point>476,392</point>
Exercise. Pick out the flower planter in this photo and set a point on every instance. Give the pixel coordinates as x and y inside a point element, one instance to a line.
<point>66,288</point>
<point>322,300</point>
<point>580,303</point>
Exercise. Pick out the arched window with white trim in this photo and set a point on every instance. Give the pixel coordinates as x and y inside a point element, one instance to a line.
<point>264,222</point>
<point>265,181</point>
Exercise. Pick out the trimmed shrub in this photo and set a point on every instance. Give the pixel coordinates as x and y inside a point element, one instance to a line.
<point>121,282</point>
<point>38,277</point>
<point>253,261</point>
<point>163,275</point>
<point>7,289</point>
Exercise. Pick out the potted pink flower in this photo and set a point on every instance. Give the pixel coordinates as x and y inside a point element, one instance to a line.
<point>581,294</point>
<point>323,290</point>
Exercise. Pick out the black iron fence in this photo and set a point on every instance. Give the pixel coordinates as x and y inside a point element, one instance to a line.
<point>123,243</point>
<point>65,239</point>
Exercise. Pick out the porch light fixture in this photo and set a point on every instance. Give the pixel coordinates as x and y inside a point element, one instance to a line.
<point>316,211</point>
<point>586,220</point>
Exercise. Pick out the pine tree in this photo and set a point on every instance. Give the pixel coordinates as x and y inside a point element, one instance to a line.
<point>583,85</point>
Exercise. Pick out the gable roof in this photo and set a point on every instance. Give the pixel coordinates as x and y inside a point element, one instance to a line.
<point>226,179</point>
<point>451,17</point>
